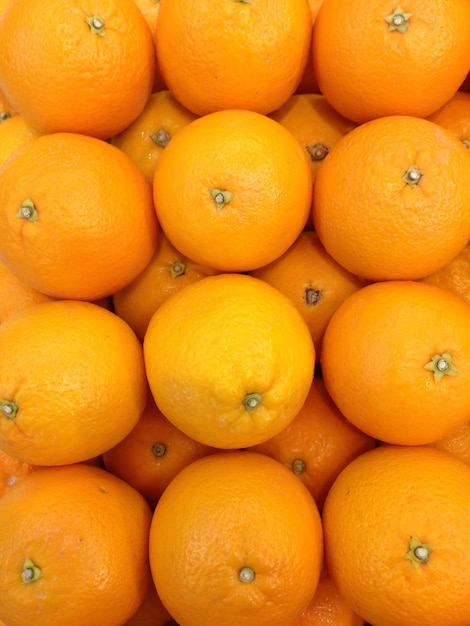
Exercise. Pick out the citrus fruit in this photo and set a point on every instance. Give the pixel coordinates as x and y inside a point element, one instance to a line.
<point>77,216</point>
<point>83,67</point>
<point>167,272</point>
<point>232,190</point>
<point>378,58</point>
<point>396,525</point>
<point>233,55</point>
<point>395,360</point>
<point>72,382</point>
<point>318,443</point>
<point>152,454</point>
<point>229,360</point>
<point>236,538</point>
<point>312,280</point>
<point>73,548</point>
<point>145,138</point>
<point>392,200</point>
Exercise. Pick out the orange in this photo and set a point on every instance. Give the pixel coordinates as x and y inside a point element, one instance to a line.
<point>312,280</point>
<point>77,216</point>
<point>236,538</point>
<point>6,110</point>
<point>328,607</point>
<point>233,190</point>
<point>455,116</point>
<point>152,454</point>
<point>92,74</point>
<point>73,548</point>
<point>151,612</point>
<point>229,360</point>
<point>454,276</point>
<point>318,443</point>
<point>72,382</point>
<point>149,9</point>
<point>456,443</point>
<point>396,361</point>
<point>145,138</point>
<point>314,123</point>
<point>12,470</point>
<point>13,135</point>
<point>308,83</point>
<point>16,296</point>
<point>392,200</point>
<point>233,55</point>
<point>381,58</point>
<point>396,525</point>
<point>167,273</point>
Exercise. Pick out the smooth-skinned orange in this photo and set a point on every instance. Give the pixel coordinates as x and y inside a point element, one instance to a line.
<point>12,470</point>
<point>152,454</point>
<point>236,538</point>
<point>106,57</point>
<point>378,58</point>
<point>235,55</point>
<point>229,360</point>
<point>454,276</point>
<point>77,216</point>
<point>167,273</point>
<point>454,115</point>
<point>396,361</point>
<point>392,200</point>
<point>16,295</point>
<point>149,9</point>
<point>457,443</point>
<point>328,607</point>
<point>145,138</point>
<point>396,525</point>
<point>233,190</point>
<point>312,280</point>
<point>314,123</point>
<point>72,382</point>
<point>14,132</point>
<point>318,443</point>
<point>73,548</point>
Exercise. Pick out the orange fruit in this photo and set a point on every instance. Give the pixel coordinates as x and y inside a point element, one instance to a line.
<point>77,215</point>
<point>236,538</point>
<point>229,360</point>
<point>396,361</point>
<point>318,443</point>
<point>12,470</point>
<point>312,280</point>
<point>74,532</point>
<point>6,110</point>
<point>151,612</point>
<point>145,138</point>
<point>454,115</point>
<point>16,296</point>
<point>152,454</point>
<point>314,123</point>
<point>233,190</point>
<point>328,607</point>
<point>105,53</point>
<point>379,58</point>
<point>13,135</point>
<point>402,210</point>
<point>233,55</point>
<point>396,525</point>
<point>167,273</point>
<point>454,276</point>
<point>149,9</point>
<point>457,443</point>
<point>308,83</point>
<point>72,382</point>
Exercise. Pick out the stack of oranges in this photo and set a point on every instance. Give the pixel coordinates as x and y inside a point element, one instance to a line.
<point>234,312</point>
